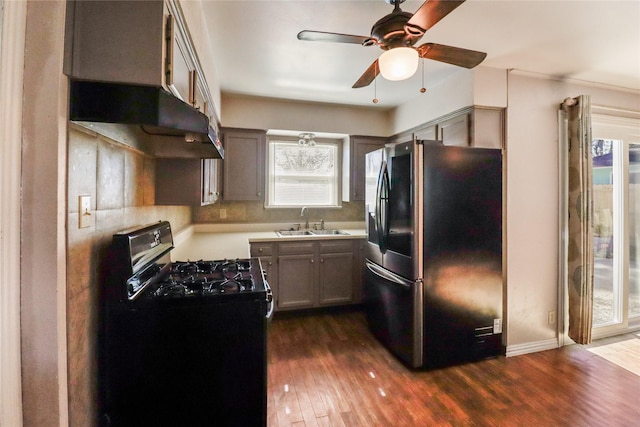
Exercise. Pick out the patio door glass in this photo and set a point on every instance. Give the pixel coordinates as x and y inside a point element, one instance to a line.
<point>605,293</point>
<point>616,214</point>
<point>634,232</point>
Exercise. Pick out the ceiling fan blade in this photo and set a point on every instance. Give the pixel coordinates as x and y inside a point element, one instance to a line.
<point>320,36</point>
<point>368,76</point>
<point>451,55</point>
<point>431,12</point>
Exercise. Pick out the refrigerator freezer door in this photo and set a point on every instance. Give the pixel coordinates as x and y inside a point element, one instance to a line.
<point>394,312</point>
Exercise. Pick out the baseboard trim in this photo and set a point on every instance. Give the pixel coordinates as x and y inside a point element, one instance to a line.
<point>532,347</point>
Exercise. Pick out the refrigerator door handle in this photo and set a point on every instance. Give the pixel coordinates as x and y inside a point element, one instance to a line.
<point>377,206</point>
<point>384,220</point>
<point>380,200</point>
<point>382,207</point>
<point>387,275</point>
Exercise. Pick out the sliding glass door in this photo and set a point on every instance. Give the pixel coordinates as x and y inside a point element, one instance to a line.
<point>616,211</point>
<point>634,233</point>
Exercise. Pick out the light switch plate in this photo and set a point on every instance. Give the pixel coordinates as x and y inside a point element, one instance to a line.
<point>84,212</point>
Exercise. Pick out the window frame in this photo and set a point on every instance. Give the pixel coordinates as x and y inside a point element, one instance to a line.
<point>269,177</point>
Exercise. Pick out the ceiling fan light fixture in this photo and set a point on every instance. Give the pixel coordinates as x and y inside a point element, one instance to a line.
<point>398,63</point>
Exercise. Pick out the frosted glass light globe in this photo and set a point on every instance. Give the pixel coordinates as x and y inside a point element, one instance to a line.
<point>399,63</point>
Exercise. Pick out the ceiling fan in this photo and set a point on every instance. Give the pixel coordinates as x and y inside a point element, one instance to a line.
<point>396,33</point>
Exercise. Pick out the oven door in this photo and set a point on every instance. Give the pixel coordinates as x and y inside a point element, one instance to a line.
<point>190,362</point>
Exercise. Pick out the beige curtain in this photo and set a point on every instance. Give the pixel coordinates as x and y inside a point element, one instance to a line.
<point>580,221</point>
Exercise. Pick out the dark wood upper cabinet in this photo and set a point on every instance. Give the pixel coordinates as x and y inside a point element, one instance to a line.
<point>355,175</point>
<point>244,164</point>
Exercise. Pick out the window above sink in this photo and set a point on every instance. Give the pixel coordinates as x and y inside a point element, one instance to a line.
<point>303,172</point>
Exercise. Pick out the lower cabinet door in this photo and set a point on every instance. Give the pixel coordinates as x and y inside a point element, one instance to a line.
<point>336,278</point>
<point>296,274</point>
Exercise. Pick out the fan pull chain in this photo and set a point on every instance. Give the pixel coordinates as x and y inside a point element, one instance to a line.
<point>423,89</point>
<point>375,86</point>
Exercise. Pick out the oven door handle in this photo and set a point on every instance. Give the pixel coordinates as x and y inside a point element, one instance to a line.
<point>270,301</point>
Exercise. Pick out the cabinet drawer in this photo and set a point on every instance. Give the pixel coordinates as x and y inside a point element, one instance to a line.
<point>336,246</point>
<point>295,248</point>
<point>259,250</point>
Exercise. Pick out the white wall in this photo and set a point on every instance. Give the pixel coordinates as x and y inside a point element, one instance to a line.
<point>490,87</point>
<point>262,113</point>
<point>12,31</point>
<point>454,93</point>
<point>532,197</point>
<point>43,252</point>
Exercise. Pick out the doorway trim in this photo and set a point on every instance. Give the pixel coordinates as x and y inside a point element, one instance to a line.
<point>12,44</point>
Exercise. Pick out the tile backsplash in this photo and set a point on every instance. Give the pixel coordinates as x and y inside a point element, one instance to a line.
<point>255,212</point>
<point>120,181</point>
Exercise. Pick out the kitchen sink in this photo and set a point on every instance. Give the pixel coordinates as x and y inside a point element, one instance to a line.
<point>329,232</point>
<point>283,233</point>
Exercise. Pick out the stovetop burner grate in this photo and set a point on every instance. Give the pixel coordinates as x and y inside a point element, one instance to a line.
<point>204,278</point>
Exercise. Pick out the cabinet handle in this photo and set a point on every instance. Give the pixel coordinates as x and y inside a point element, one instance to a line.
<point>321,260</point>
<point>312,261</point>
<point>193,87</point>
<point>168,72</point>
<point>260,250</point>
<point>259,194</point>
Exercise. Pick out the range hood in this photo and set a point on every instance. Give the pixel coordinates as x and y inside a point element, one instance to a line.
<point>154,109</point>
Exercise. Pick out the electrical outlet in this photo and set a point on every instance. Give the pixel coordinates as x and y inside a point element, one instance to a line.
<point>497,326</point>
<point>85,219</point>
<point>223,213</point>
<point>552,317</point>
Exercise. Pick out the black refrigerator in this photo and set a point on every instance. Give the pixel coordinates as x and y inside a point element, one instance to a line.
<point>433,288</point>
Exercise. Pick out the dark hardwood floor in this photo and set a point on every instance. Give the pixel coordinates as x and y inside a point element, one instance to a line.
<point>328,370</point>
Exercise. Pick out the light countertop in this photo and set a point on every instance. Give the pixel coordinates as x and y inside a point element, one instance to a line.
<point>220,241</point>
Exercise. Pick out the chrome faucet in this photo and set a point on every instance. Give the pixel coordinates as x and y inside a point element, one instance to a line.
<point>306,219</point>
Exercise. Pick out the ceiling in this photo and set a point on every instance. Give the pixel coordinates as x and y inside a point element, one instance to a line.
<point>256,51</point>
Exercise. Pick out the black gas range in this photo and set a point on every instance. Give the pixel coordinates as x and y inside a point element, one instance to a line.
<point>181,343</point>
